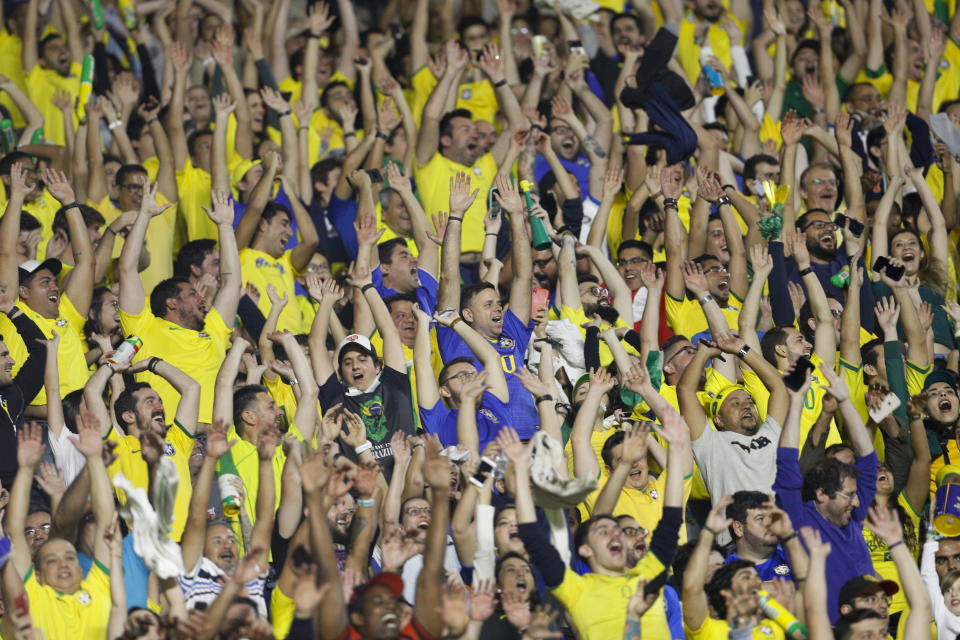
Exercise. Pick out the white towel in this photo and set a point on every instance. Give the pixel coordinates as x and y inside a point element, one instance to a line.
<point>550,487</point>
<point>151,528</point>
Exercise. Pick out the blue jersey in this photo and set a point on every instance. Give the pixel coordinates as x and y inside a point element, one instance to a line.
<point>776,566</point>
<point>512,345</point>
<point>492,414</point>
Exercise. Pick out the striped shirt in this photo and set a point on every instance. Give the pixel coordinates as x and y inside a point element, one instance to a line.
<point>203,585</point>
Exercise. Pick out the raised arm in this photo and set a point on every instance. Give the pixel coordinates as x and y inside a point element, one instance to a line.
<point>771,378</point>
<point>323,367</point>
<point>448,290</point>
<point>496,378</point>
<point>132,296</point>
<point>30,449</point>
<point>223,106</point>
<point>436,473</point>
<point>690,407</point>
<point>585,463</point>
<point>825,336</point>
<point>695,607</point>
<point>228,297</point>
<point>675,235</point>
<point>306,416</point>
<point>860,439</point>
<point>428,139</point>
<point>747,320</point>
<point>522,258</point>
<point>181,57</point>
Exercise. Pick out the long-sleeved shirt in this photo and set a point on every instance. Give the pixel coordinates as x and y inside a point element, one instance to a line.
<point>948,624</point>
<point>14,397</point>
<point>850,556</point>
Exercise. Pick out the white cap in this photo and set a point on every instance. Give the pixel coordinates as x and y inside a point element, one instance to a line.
<point>357,341</point>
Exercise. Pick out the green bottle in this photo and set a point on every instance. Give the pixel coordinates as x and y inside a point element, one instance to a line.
<point>540,239</point>
<point>86,87</point>
<point>7,138</point>
<point>98,21</point>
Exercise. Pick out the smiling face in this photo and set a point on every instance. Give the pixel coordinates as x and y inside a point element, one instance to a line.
<point>639,474</point>
<point>485,314</point>
<point>718,280</point>
<point>717,241</point>
<point>455,378</point>
<point>202,146</point>
<point>379,617</point>
<point>258,112</point>
<point>56,55</point>
<point>819,189</point>
<point>805,62</point>
<point>415,519</point>
<point>545,268</point>
<point>866,100</point>
<point>506,535</point>
<point>150,411</point>
<point>42,293</point>
<point>942,403</point>
<point>109,315</point>
<point>744,581</point>
<point>488,136</point>
<point>838,508</point>
<point>626,34</point>
<point>340,517</point>
<point>37,529</point>
<point>795,345</point>
<point>906,247</point>
<point>635,538</point>
<point>358,368</point>
<point>592,297</point>
<point>220,547</point>
<point>563,140</point>
<point>190,306</point>
<point>629,260</point>
<point>605,547</point>
<point>821,235</point>
<point>59,567</point>
<point>738,414</point>
<point>884,481</point>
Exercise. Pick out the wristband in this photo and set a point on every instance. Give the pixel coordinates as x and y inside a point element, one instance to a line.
<point>364,288</point>
<point>544,398</point>
<point>715,533</point>
<point>281,114</point>
<point>790,536</point>
<point>366,446</point>
<point>728,186</point>
<point>805,271</point>
<point>670,203</point>
<point>500,83</point>
<point>723,200</point>
<point>895,545</point>
<point>152,120</point>
<point>451,218</point>
<point>744,350</point>
<point>71,205</point>
<point>349,134</point>
<point>493,234</point>
<point>365,502</point>
<point>382,136</point>
<point>455,321</point>
<point>110,229</point>
<point>294,381</point>
<point>115,124</point>
<point>152,365</point>
<point>705,299</point>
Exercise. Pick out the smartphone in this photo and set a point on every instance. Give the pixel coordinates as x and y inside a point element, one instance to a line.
<point>541,298</point>
<point>484,469</point>
<point>653,587</point>
<point>710,345</point>
<point>798,377</point>
<point>853,226</point>
<point>493,207</point>
<point>576,46</point>
<point>883,265</point>
<point>375,175</point>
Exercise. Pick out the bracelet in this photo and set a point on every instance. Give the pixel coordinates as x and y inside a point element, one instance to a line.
<point>294,381</point>
<point>281,114</point>
<point>723,200</point>
<point>382,136</point>
<point>152,120</point>
<point>500,83</point>
<point>918,416</point>
<point>728,186</point>
<point>705,299</point>
<point>110,229</point>
<point>451,218</point>
<point>364,288</point>
<point>418,444</point>
<point>455,321</point>
<point>364,502</point>
<point>789,537</point>
<point>366,446</point>
<point>744,350</point>
<point>804,272</point>
<point>493,234</point>
<point>71,205</point>
<point>349,134</point>
<point>895,545</point>
<point>152,365</point>
<point>115,124</point>
<point>799,579</point>
<point>712,531</point>
<point>544,398</point>
<point>670,202</point>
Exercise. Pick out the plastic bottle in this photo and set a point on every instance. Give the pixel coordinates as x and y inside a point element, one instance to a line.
<point>7,138</point>
<point>841,279</point>
<point>716,82</point>
<point>501,469</point>
<point>792,627</point>
<point>86,87</point>
<point>37,137</point>
<point>835,12</point>
<point>540,239</point>
<point>98,20</point>
<point>227,478</point>
<point>125,352</point>
<point>129,17</point>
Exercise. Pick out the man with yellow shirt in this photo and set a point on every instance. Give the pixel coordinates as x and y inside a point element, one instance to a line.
<point>178,325</point>
<point>448,142</point>
<point>141,414</point>
<point>64,604</point>
<point>51,63</point>
<point>598,600</point>
<point>52,308</point>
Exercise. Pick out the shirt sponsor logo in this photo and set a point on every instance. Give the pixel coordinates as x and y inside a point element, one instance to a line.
<point>260,262</point>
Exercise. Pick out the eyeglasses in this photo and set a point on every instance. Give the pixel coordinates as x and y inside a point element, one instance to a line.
<point>820,225</point>
<point>713,270</point>
<point>418,511</point>
<point>462,376</point>
<point>836,313</point>
<point>32,531</point>
<point>847,496</point>
<point>633,532</point>
<point>633,262</point>
<point>562,130</point>
<point>822,181</point>
<point>600,292</point>
<point>313,268</point>
<point>688,349</point>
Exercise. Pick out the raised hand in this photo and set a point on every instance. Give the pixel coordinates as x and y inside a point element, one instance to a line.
<point>58,186</point>
<point>483,601</point>
<point>888,314</point>
<point>181,56</point>
<point>508,195</point>
<point>671,181</point>
<point>798,245</point>
<point>365,481</point>
<point>490,62</point>
<point>223,104</point>
<point>273,99</point>
<point>366,229</point>
<point>222,212</point>
<point>319,18</point>
<point>639,602</point>
<point>517,452</point>
<point>20,184</point>
<point>440,221</point>
<point>397,548</point>
<point>761,261</point>
<point>694,279</point>
<point>50,479</point>
<point>148,204</point>
<point>728,342</point>
<point>708,182</point>
<point>460,195</point>
<point>356,433</point>
<point>792,128</point>
<point>88,440</point>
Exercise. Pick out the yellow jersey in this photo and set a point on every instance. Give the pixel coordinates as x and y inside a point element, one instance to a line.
<point>260,269</point>
<point>193,189</point>
<point>713,629</point>
<point>433,184</point>
<point>42,84</point>
<point>84,613</point>
<point>686,318</point>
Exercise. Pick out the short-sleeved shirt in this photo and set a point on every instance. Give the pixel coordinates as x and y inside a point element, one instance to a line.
<point>880,554</point>
<point>492,415</point>
<point>178,446</point>
<point>433,185</point>
<point>512,346</point>
<point>686,318</point>
<point>71,365</point>
<point>713,629</point>
<point>85,613</point>
<point>42,84</point>
<point>730,462</point>
<point>199,354</point>
<point>385,408</point>
<point>261,269</point>
<point>776,566</point>
<point>193,191</point>
<point>203,584</point>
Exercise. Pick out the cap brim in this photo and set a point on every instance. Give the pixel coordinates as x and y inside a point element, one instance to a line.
<point>51,264</point>
<point>889,587</point>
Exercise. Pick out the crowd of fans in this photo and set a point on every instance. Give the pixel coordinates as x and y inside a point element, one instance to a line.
<point>487,319</point>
